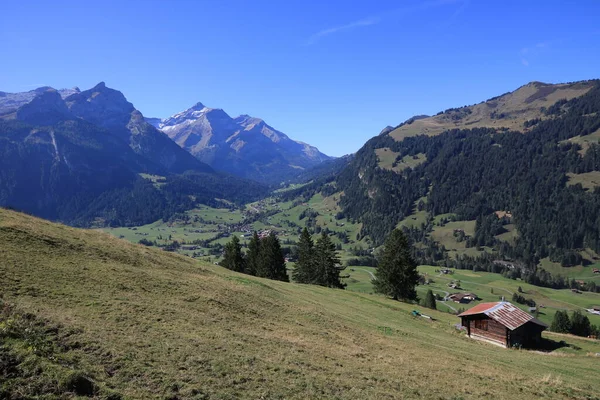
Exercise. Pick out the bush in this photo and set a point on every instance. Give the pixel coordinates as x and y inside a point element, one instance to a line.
<point>76,382</point>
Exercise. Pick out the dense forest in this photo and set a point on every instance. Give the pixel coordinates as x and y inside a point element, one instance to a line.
<point>474,172</point>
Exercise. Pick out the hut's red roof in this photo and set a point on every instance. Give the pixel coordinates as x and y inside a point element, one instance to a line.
<point>505,313</point>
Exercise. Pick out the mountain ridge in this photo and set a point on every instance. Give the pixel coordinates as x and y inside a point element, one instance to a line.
<point>244,145</point>
<point>506,111</point>
<point>80,156</point>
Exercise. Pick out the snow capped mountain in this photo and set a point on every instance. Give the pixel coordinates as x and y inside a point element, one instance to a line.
<point>245,146</point>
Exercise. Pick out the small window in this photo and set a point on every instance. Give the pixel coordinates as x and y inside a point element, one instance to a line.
<point>481,324</point>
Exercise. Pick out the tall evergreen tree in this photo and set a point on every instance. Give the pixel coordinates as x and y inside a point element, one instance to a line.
<point>272,261</point>
<point>397,274</point>
<point>429,301</point>
<point>305,266</point>
<point>253,255</point>
<point>561,322</point>
<point>327,263</point>
<point>580,324</point>
<point>232,256</point>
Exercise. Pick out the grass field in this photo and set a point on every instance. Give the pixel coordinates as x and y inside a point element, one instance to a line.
<point>217,225</point>
<point>147,324</point>
<point>387,158</point>
<point>585,141</point>
<point>488,287</point>
<point>588,180</point>
<point>579,272</point>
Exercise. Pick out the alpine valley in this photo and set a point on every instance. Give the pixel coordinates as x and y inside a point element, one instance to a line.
<point>510,185</point>
<point>500,198</point>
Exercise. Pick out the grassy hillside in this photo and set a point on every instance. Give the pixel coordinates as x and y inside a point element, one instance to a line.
<point>143,323</point>
<point>488,287</point>
<point>510,110</point>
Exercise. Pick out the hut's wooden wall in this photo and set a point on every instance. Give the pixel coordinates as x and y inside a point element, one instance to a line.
<point>495,331</point>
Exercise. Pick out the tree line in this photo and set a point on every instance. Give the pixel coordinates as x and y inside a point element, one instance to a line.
<point>578,324</point>
<point>264,257</point>
<point>318,264</point>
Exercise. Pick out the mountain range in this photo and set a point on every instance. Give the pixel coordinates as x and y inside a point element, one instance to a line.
<point>78,156</point>
<point>243,146</point>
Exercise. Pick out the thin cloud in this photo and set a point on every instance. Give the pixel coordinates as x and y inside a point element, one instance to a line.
<point>374,20</point>
<point>532,52</point>
<point>343,28</point>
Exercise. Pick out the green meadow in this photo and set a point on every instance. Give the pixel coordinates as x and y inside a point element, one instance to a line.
<point>137,323</point>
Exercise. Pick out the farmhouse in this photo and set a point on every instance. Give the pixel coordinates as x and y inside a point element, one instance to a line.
<point>463,297</point>
<point>503,324</point>
<point>596,271</point>
<point>594,310</point>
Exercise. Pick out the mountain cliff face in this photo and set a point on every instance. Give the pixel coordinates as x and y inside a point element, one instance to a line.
<point>79,155</point>
<point>243,146</point>
<point>109,109</point>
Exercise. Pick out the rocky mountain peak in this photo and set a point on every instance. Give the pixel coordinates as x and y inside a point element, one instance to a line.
<point>47,108</point>
<point>197,107</point>
<point>245,146</point>
<point>101,105</point>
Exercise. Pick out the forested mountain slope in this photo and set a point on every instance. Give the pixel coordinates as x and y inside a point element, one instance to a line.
<point>528,179</point>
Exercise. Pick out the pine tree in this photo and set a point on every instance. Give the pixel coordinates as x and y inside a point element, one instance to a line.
<point>253,255</point>
<point>397,274</point>
<point>429,301</point>
<point>232,256</point>
<point>580,324</point>
<point>272,261</point>
<point>327,263</point>
<point>305,266</point>
<point>561,322</point>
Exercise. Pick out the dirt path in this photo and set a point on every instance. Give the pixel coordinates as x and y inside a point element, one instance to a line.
<point>370,273</point>
<point>445,301</point>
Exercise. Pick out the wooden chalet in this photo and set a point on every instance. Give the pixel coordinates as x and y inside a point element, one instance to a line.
<point>503,324</point>
<point>463,297</point>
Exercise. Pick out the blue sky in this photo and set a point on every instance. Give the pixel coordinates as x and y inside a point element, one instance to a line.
<point>330,73</point>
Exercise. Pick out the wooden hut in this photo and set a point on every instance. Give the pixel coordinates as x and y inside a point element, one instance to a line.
<point>503,324</point>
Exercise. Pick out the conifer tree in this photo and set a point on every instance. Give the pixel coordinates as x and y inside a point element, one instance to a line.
<point>397,275</point>
<point>580,324</point>
<point>253,255</point>
<point>232,256</point>
<point>305,266</point>
<point>272,261</point>
<point>561,322</point>
<point>429,301</point>
<point>327,263</point>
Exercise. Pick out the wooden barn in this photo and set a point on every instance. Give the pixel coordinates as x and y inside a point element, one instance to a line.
<point>503,324</point>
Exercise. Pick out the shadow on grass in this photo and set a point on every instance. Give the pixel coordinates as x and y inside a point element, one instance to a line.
<point>548,345</point>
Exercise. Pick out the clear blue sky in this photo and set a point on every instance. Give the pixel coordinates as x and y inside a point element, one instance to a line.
<point>330,73</point>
